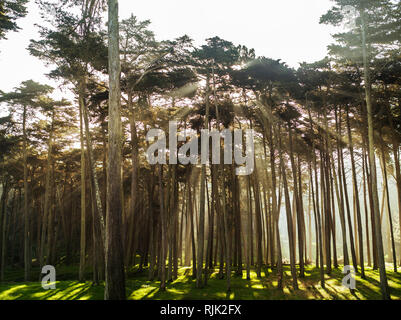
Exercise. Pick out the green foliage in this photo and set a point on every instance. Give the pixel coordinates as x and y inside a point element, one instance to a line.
<point>266,72</point>
<point>10,12</point>
<point>73,44</point>
<point>29,93</point>
<point>382,26</point>
<point>7,139</point>
<point>184,288</point>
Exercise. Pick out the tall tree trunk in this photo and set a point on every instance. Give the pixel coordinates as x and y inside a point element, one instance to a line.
<point>364,177</point>
<point>201,233</point>
<point>256,193</point>
<point>152,237</point>
<point>368,177</point>
<point>275,203</point>
<point>347,205</point>
<point>368,97</point>
<point>82,256</point>
<point>3,223</point>
<point>339,191</point>
<point>390,219</point>
<point>319,257</point>
<point>27,241</point>
<point>356,198</point>
<point>249,229</point>
<point>289,215</point>
<point>162,258</point>
<point>396,147</point>
<point>191,217</point>
<point>297,195</point>
<point>132,232</point>
<point>115,278</point>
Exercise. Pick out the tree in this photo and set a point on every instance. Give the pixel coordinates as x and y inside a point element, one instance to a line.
<point>10,12</point>
<point>25,99</point>
<point>115,274</point>
<point>369,14</point>
<point>93,197</point>
<point>78,52</point>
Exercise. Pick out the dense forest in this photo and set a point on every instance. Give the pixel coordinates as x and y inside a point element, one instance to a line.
<point>77,187</point>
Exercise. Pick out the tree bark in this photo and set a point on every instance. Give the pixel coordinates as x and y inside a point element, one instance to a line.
<point>27,241</point>
<point>376,210</point>
<point>115,277</point>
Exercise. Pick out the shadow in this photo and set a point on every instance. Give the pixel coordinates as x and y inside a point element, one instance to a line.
<point>184,287</point>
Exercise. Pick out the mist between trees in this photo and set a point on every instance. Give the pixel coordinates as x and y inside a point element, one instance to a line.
<point>326,186</point>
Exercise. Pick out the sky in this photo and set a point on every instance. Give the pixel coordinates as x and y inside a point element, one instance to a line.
<point>282,29</point>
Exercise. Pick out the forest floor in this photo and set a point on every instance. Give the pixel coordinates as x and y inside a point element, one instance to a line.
<point>184,288</point>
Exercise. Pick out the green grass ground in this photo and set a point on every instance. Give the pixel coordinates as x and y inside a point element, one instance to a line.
<point>184,287</point>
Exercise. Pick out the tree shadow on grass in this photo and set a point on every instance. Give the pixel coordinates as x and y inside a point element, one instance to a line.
<point>34,291</point>
<point>184,287</point>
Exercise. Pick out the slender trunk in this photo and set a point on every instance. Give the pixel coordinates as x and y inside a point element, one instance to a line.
<point>364,177</point>
<point>344,184</point>
<point>249,224</point>
<point>201,233</point>
<point>319,249</point>
<point>132,233</point>
<point>191,211</point>
<point>27,242</point>
<point>289,216</point>
<point>356,197</point>
<point>390,219</point>
<point>152,241</point>
<point>83,193</point>
<point>298,209</point>
<point>395,148</point>
<point>4,221</point>
<point>162,257</point>
<point>368,96</point>
<point>339,191</point>
<point>256,193</point>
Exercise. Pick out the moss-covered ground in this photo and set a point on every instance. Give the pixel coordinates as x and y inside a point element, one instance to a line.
<point>184,287</point>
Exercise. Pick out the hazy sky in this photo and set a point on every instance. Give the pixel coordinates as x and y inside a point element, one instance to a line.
<point>285,29</point>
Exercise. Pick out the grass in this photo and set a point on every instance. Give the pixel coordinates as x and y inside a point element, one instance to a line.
<point>184,288</point>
